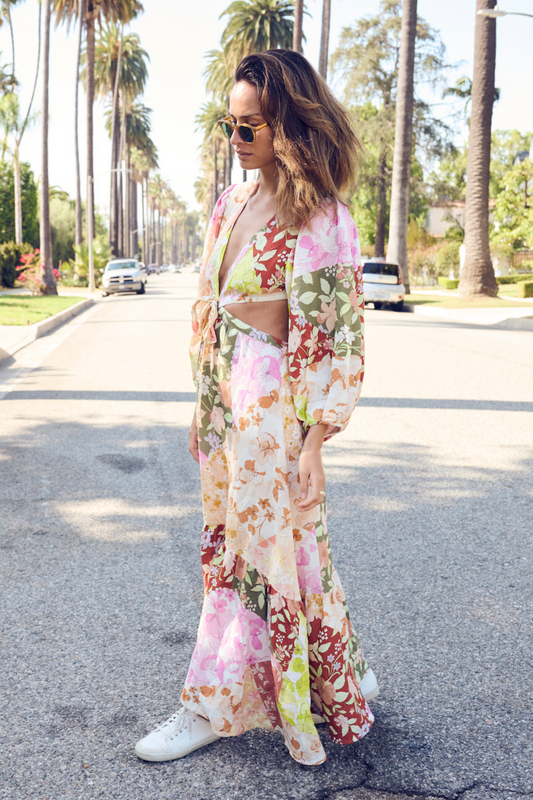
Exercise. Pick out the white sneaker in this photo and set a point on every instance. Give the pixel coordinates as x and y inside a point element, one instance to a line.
<point>369,689</point>
<point>369,685</point>
<point>182,733</point>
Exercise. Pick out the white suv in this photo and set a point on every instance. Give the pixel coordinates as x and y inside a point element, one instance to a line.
<point>383,283</point>
<point>124,275</point>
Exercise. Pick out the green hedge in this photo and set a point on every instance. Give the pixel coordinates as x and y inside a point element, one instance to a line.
<point>525,289</point>
<point>505,279</point>
<point>448,283</point>
<point>10,254</point>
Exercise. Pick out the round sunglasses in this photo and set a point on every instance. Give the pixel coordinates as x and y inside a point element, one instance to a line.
<point>246,132</point>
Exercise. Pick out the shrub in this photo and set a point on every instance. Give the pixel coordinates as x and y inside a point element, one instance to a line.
<point>506,279</point>
<point>31,272</point>
<point>447,259</point>
<point>448,283</point>
<point>10,254</point>
<point>525,289</point>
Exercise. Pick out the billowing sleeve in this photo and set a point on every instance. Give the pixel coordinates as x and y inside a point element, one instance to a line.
<point>326,352</point>
<point>203,306</point>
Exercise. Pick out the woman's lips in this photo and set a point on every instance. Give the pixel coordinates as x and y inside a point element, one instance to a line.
<point>243,155</point>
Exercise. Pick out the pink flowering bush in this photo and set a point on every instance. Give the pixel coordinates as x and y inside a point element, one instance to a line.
<point>30,272</point>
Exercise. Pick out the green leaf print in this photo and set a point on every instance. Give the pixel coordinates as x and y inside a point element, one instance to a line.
<point>307,297</point>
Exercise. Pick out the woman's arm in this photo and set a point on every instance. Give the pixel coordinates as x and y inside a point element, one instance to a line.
<point>311,470</point>
<point>193,439</point>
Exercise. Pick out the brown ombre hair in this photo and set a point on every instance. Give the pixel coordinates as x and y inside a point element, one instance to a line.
<point>314,141</point>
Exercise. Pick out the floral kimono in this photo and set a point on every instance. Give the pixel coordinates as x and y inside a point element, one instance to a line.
<point>275,639</point>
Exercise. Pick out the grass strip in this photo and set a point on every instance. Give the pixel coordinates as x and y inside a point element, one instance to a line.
<point>26,309</point>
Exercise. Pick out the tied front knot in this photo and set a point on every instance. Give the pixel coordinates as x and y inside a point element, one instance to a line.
<point>204,316</point>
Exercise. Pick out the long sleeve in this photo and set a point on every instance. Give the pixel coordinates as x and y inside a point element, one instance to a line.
<point>326,350</point>
<point>206,292</point>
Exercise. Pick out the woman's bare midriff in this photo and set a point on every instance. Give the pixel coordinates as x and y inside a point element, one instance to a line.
<point>271,317</point>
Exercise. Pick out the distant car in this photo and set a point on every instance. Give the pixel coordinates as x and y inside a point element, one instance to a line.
<point>175,268</point>
<point>383,283</point>
<point>164,267</point>
<point>153,268</point>
<point>196,266</point>
<point>124,275</point>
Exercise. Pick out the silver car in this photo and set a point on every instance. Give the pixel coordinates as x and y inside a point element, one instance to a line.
<point>383,283</point>
<point>124,275</point>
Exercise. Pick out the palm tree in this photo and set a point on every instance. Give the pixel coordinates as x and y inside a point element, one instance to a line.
<point>403,143</point>
<point>298,26</point>
<point>94,10</point>
<point>207,122</point>
<point>120,72</point>
<point>79,224</point>
<point>255,26</point>
<point>143,160</point>
<point>50,286</point>
<point>324,38</point>
<point>477,275</point>
<point>12,122</point>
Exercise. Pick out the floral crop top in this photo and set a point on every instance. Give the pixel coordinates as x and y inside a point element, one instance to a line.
<point>318,270</point>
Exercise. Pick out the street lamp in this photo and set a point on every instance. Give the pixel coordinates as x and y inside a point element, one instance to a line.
<point>495,12</point>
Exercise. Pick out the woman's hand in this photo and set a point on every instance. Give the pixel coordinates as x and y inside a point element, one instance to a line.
<point>193,439</point>
<point>311,470</point>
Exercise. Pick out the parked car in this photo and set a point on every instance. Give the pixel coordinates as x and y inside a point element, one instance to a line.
<point>383,283</point>
<point>175,268</point>
<point>124,275</point>
<point>153,268</point>
<point>164,267</point>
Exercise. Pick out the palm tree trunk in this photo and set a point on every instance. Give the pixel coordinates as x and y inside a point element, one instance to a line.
<point>90,44</point>
<point>403,143</point>
<point>18,198</point>
<point>297,31</point>
<point>477,275</point>
<point>49,281</point>
<point>121,241</point>
<point>115,131</point>
<point>7,9</point>
<point>78,235</point>
<point>134,224</point>
<point>324,39</point>
<point>381,211</point>
<point>18,139</point>
<point>215,172</point>
<point>127,206</point>
<point>143,200</point>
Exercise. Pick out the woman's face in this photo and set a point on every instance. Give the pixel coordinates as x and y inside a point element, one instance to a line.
<point>244,108</point>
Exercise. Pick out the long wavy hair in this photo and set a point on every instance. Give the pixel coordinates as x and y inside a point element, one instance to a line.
<point>314,141</point>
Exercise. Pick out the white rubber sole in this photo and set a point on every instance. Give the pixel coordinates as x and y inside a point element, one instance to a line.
<point>169,756</point>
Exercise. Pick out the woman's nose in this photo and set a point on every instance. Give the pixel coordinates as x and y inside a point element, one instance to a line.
<point>235,138</point>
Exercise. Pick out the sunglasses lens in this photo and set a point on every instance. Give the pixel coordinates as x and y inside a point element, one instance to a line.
<point>227,129</point>
<point>246,134</point>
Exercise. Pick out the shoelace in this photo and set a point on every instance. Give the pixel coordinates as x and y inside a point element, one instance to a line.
<point>181,719</point>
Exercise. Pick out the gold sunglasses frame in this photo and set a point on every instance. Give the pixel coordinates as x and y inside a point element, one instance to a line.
<point>235,126</point>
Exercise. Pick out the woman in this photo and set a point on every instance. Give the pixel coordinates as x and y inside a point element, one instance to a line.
<point>278,363</point>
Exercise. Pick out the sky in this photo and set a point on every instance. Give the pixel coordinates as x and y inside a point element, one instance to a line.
<point>178,33</point>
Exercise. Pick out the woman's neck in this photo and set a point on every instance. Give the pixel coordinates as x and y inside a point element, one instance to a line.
<point>268,184</point>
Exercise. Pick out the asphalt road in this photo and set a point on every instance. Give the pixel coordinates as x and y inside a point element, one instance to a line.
<point>430,497</point>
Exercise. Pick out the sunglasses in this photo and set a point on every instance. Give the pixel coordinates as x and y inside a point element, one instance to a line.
<point>246,132</point>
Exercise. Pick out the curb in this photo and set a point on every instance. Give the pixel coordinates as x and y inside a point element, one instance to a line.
<point>511,323</point>
<point>39,329</point>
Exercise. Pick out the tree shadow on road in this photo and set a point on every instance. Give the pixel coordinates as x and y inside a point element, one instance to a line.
<point>102,593</point>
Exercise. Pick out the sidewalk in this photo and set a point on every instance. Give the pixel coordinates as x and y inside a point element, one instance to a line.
<point>14,337</point>
<point>513,318</point>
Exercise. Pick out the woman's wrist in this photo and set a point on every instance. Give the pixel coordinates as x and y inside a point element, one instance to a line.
<point>314,438</point>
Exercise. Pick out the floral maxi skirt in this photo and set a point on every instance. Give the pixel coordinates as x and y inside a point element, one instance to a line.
<point>275,638</point>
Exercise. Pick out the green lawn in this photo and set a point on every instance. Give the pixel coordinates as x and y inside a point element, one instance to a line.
<point>25,309</point>
<point>452,301</point>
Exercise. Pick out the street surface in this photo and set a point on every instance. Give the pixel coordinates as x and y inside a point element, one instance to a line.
<point>430,497</point>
